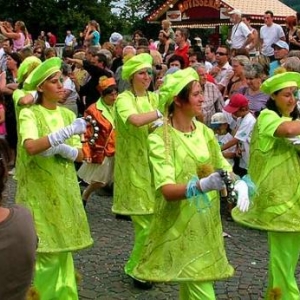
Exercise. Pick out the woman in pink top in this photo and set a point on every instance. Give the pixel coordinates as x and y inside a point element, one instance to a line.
<point>18,36</point>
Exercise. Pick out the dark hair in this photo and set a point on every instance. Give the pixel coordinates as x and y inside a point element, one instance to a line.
<point>183,95</point>
<point>269,12</point>
<point>16,57</point>
<point>4,159</point>
<point>211,48</point>
<point>139,32</point>
<point>143,42</point>
<point>102,58</point>
<point>109,90</point>
<point>184,32</point>
<point>199,56</point>
<point>175,57</point>
<point>11,42</point>
<point>272,106</point>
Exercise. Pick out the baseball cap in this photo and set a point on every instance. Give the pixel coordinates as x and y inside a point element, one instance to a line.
<point>218,119</point>
<point>235,12</point>
<point>115,38</point>
<point>281,44</point>
<point>236,102</point>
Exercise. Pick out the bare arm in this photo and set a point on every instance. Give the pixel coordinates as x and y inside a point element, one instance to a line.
<point>174,192</point>
<point>144,118</point>
<point>10,35</point>
<point>288,129</point>
<point>249,40</point>
<point>229,144</point>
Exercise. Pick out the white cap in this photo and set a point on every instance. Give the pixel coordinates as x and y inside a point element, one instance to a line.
<point>218,119</point>
<point>235,12</point>
<point>115,38</point>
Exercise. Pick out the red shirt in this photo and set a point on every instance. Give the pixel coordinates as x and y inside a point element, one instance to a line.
<point>52,40</point>
<point>183,52</point>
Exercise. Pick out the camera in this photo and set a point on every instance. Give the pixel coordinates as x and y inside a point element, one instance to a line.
<point>158,67</point>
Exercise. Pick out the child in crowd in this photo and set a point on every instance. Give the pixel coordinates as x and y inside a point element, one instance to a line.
<point>220,126</point>
<point>169,33</point>
<point>238,107</point>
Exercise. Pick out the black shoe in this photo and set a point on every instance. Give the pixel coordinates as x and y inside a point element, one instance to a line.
<point>142,285</point>
<point>123,217</point>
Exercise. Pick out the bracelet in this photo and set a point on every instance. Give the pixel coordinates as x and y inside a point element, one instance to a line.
<point>159,114</point>
<point>193,194</point>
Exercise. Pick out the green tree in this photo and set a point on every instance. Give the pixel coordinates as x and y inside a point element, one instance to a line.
<point>59,15</point>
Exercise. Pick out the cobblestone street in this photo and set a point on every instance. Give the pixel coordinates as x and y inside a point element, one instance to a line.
<point>101,266</point>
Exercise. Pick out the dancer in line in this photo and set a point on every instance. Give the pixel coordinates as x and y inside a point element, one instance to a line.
<point>47,182</point>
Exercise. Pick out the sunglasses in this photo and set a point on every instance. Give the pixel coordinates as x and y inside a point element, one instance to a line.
<point>221,53</point>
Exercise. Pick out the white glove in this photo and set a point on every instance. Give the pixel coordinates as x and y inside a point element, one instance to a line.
<point>212,182</point>
<point>63,150</point>
<point>58,137</point>
<point>157,123</point>
<point>243,201</point>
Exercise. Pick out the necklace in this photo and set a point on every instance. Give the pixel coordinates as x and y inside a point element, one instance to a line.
<point>188,134</point>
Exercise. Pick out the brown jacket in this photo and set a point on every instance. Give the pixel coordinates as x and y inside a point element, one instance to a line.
<point>105,143</point>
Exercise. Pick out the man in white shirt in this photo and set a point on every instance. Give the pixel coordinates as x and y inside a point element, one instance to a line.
<point>241,35</point>
<point>269,34</point>
<point>222,72</point>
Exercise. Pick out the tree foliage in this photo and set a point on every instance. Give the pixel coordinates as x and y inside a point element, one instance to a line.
<point>58,16</point>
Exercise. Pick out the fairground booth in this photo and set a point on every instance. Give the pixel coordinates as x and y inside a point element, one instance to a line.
<point>196,14</point>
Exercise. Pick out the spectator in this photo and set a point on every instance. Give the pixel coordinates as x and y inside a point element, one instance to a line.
<point>213,100</point>
<point>238,107</point>
<point>241,35</point>
<point>222,72</point>
<point>16,228</point>
<point>93,36</point>
<point>175,61</point>
<point>70,40</point>
<point>281,50</point>
<point>254,45</point>
<point>269,34</point>
<point>181,37</point>
<point>210,54</point>
<point>52,40</point>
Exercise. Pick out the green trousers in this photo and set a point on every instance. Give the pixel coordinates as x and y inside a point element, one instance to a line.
<point>55,276</point>
<point>196,291</point>
<point>284,250</point>
<point>141,226</point>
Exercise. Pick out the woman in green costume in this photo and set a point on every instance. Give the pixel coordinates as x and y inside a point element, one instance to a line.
<point>47,182</point>
<point>133,191</point>
<point>274,167</point>
<point>185,242</point>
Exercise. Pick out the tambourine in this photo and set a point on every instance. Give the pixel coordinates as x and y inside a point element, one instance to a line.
<point>230,196</point>
<point>95,131</point>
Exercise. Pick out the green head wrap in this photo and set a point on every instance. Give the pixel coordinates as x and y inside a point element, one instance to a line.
<point>42,72</point>
<point>280,81</point>
<point>136,63</point>
<point>27,66</point>
<point>174,83</point>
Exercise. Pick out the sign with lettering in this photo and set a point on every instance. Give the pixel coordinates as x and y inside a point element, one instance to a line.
<point>188,4</point>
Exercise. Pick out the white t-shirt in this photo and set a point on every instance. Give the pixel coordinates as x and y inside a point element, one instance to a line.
<point>243,134</point>
<point>270,35</point>
<point>239,34</point>
<point>222,140</point>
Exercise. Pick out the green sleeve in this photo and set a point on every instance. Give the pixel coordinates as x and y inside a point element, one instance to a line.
<point>162,167</point>
<point>28,125</point>
<point>125,106</point>
<point>268,122</point>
